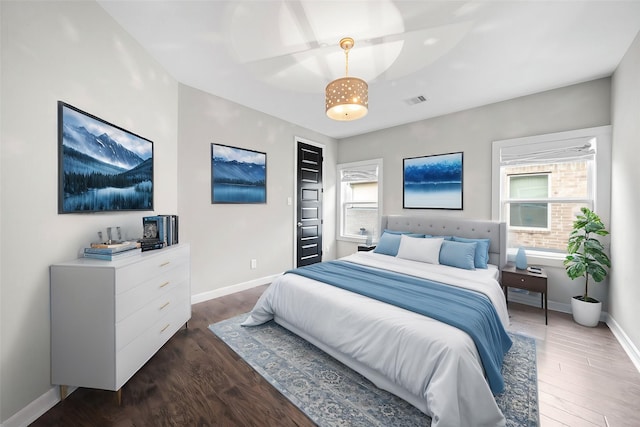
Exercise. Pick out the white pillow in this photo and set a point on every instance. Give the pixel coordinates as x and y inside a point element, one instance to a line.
<point>420,249</point>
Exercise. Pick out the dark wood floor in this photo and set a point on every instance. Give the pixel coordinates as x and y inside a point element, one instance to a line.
<point>585,379</point>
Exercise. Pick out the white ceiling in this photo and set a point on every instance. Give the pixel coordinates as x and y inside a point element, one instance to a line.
<point>278,56</point>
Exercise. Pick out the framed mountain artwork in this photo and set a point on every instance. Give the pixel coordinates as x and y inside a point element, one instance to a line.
<point>238,175</point>
<point>101,167</point>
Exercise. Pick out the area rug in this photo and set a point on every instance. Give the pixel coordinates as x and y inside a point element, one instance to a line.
<point>332,394</point>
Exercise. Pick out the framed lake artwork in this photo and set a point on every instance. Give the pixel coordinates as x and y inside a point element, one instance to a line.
<point>433,182</point>
<point>238,175</point>
<point>101,167</point>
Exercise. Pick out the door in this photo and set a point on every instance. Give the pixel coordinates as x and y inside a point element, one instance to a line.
<point>309,205</point>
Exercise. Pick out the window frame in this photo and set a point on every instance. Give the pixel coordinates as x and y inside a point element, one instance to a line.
<point>601,181</point>
<point>340,204</point>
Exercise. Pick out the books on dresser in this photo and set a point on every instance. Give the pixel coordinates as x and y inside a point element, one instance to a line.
<point>161,227</point>
<point>111,250</point>
<point>112,256</point>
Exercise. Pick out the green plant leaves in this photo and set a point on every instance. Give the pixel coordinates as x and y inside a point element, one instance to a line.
<point>586,256</point>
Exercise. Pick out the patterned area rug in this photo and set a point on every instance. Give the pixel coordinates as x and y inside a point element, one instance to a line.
<point>333,395</point>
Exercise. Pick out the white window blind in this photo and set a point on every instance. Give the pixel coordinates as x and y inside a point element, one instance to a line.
<point>566,150</point>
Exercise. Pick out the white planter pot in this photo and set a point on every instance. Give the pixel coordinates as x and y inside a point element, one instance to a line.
<point>586,313</point>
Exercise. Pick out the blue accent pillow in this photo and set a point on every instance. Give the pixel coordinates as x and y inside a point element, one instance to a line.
<point>458,254</point>
<point>482,250</point>
<point>388,244</point>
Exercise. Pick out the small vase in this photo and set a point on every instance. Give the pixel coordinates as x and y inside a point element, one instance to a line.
<point>521,259</point>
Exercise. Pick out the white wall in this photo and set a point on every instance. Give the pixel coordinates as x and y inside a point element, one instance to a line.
<point>473,131</point>
<point>624,292</point>
<point>75,52</point>
<point>224,238</point>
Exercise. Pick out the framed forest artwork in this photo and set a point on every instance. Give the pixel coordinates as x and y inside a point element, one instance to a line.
<point>101,167</point>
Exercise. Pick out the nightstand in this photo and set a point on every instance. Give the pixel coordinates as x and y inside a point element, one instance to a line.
<point>524,279</point>
<point>366,248</point>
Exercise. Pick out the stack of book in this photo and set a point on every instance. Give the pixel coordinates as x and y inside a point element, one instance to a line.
<point>111,251</point>
<point>159,228</point>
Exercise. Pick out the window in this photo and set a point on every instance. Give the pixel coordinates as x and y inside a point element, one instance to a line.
<point>527,214</point>
<point>540,183</point>
<point>358,196</point>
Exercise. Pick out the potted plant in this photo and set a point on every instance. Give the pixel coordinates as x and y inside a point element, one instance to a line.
<point>586,258</point>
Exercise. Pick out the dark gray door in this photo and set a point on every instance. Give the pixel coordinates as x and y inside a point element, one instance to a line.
<point>309,215</point>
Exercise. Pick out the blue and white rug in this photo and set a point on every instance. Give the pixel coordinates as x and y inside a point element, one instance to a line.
<point>333,395</point>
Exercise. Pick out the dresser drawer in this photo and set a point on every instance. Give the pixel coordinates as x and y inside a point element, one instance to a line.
<point>137,323</point>
<point>530,283</point>
<point>139,351</point>
<point>129,302</point>
<point>151,265</point>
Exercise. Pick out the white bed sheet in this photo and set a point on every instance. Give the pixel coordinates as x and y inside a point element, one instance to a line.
<point>437,364</point>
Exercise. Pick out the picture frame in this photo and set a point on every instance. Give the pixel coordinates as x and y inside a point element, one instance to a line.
<point>101,167</point>
<point>433,182</point>
<point>238,175</point>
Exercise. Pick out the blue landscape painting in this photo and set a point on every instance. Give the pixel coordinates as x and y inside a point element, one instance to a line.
<point>433,182</point>
<point>102,167</point>
<point>238,175</point>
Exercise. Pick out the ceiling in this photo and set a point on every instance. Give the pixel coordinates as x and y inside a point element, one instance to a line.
<point>278,56</point>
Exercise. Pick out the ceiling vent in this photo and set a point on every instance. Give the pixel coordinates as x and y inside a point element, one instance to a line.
<point>416,100</point>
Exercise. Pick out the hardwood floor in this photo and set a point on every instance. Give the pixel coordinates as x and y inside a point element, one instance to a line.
<point>585,379</point>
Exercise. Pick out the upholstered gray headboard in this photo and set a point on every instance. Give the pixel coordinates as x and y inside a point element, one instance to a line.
<point>472,229</point>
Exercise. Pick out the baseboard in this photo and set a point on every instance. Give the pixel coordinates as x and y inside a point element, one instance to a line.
<point>217,293</point>
<point>35,409</point>
<point>50,398</point>
<point>625,341</point>
<point>533,300</point>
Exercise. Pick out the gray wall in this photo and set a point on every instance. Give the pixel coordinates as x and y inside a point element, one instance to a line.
<point>473,131</point>
<point>624,292</point>
<point>224,238</point>
<point>74,52</point>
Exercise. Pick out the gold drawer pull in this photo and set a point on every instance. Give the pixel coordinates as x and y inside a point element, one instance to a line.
<point>164,305</point>
<point>165,328</point>
<point>165,263</point>
<point>164,284</point>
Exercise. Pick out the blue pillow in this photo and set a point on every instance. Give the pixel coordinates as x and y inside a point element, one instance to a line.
<point>458,254</point>
<point>388,244</point>
<point>482,250</point>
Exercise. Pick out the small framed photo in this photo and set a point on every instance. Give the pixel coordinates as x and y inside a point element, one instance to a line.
<point>433,182</point>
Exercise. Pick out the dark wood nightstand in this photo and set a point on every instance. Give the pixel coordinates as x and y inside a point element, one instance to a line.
<point>524,279</point>
<point>366,248</point>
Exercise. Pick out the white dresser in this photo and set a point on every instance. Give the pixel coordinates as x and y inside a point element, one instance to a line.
<point>109,317</point>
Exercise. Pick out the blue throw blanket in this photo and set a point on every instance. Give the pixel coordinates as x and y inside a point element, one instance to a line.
<point>470,311</point>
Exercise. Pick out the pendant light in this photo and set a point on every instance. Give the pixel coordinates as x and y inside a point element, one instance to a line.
<point>347,98</point>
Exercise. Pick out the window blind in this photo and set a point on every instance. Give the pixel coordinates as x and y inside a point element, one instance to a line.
<point>566,150</point>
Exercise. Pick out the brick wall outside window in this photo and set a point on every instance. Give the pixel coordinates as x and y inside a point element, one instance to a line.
<point>566,180</point>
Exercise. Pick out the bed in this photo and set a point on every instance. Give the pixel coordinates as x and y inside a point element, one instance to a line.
<point>445,370</point>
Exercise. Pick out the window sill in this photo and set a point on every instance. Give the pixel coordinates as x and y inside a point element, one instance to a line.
<point>359,240</point>
<point>542,258</point>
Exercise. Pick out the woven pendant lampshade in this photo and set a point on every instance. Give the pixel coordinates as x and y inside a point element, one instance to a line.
<point>347,98</point>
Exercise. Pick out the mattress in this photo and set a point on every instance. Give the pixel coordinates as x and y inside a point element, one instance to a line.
<point>432,365</point>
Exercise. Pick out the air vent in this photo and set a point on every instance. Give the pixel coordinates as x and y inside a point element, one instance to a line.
<point>416,100</point>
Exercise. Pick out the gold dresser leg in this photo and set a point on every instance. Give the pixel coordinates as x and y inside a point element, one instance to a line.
<point>63,392</point>
<point>119,397</point>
